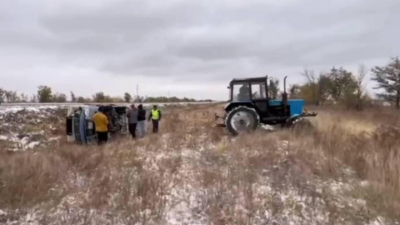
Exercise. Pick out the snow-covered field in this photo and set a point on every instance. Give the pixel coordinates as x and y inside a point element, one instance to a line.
<point>52,105</point>
<point>27,127</point>
<point>198,186</point>
<point>191,173</point>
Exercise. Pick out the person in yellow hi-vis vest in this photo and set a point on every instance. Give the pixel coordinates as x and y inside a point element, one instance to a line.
<point>155,116</point>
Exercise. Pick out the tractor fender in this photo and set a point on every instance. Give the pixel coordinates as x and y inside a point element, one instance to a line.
<point>293,118</point>
<point>233,105</point>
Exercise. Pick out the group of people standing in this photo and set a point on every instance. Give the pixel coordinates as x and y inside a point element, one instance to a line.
<point>136,120</point>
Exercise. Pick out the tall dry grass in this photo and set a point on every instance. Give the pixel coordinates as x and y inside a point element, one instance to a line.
<point>218,179</point>
<point>368,142</point>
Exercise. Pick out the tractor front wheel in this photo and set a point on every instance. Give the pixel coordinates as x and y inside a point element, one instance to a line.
<point>242,119</point>
<point>301,125</point>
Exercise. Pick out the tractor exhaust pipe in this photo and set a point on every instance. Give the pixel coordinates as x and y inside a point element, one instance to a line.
<point>284,96</point>
<point>284,85</point>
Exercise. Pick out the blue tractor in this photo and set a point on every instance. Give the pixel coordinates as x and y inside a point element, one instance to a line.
<point>250,106</point>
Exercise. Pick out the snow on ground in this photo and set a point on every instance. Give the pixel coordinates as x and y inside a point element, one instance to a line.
<point>189,185</point>
<point>20,123</point>
<point>14,109</point>
<point>187,200</point>
<point>23,128</point>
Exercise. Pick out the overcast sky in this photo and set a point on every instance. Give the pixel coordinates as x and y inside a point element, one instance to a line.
<point>186,48</point>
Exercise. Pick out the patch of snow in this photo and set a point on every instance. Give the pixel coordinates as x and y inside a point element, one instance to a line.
<point>15,109</point>
<point>24,141</point>
<point>33,144</point>
<point>37,132</point>
<point>2,213</point>
<point>31,219</point>
<point>378,221</point>
<point>365,183</point>
<point>54,138</point>
<point>267,127</point>
<point>12,137</point>
<point>4,138</point>
<point>10,110</point>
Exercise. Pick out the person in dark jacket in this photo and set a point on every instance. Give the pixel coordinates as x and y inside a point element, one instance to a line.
<point>132,115</point>
<point>155,117</point>
<point>141,124</point>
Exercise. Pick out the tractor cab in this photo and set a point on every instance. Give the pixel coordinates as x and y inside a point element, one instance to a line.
<point>250,105</point>
<point>245,90</point>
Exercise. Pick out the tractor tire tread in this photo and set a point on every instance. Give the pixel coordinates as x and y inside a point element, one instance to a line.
<point>234,110</point>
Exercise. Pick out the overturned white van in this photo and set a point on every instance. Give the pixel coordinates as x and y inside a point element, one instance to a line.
<point>80,127</point>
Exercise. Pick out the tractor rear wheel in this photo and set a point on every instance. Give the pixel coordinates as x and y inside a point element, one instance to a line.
<point>242,119</point>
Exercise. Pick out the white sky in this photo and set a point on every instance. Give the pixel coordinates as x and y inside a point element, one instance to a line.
<point>186,48</point>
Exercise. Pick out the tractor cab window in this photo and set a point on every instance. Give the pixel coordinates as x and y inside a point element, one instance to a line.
<point>241,92</point>
<point>258,91</point>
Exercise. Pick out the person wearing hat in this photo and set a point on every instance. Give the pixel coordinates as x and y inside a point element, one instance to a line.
<point>155,117</point>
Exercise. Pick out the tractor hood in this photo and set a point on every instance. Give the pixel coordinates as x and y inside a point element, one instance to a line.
<point>296,105</point>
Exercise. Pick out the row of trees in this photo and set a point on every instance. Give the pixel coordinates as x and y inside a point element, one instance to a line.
<point>336,86</point>
<point>45,95</point>
<point>101,97</point>
<point>339,86</point>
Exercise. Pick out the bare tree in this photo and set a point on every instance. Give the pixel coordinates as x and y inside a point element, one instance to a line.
<point>311,84</point>
<point>24,97</point>
<point>73,97</point>
<point>2,94</point>
<point>309,75</point>
<point>294,91</point>
<point>12,96</point>
<point>34,98</point>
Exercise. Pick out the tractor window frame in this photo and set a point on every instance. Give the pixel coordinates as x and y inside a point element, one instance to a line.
<point>235,90</point>
<point>263,90</point>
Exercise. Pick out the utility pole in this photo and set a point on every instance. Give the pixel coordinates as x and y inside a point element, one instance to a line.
<point>137,92</point>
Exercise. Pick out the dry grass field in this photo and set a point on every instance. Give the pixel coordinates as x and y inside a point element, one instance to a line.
<point>343,171</point>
